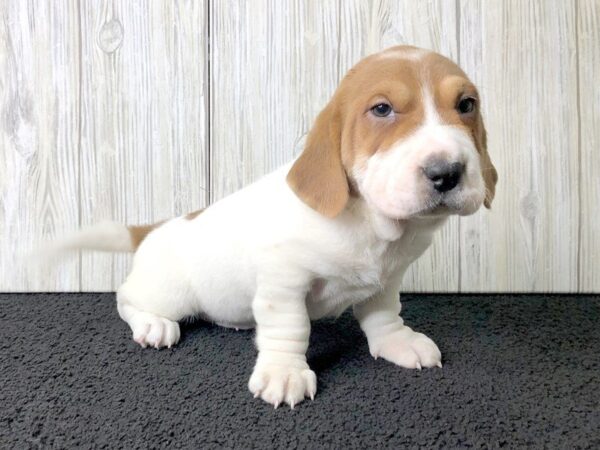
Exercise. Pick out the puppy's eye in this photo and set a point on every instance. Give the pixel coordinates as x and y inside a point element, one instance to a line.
<point>382,109</point>
<point>466,105</point>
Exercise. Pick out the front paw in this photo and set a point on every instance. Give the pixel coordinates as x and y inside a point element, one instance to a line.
<point>278,383</point>
<point>406,348</point>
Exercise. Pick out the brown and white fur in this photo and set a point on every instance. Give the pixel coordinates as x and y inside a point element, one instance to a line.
<point>337,227</point>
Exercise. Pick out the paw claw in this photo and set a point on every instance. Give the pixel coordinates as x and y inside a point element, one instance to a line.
<point>406,348</point>
<point>152,330</point>
<point>277,384</point>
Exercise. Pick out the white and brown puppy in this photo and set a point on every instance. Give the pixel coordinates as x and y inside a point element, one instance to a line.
<point>400,147</point>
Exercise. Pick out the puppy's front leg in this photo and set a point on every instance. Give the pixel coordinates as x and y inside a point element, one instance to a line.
<point>387,335</point>
<point>281,373</point>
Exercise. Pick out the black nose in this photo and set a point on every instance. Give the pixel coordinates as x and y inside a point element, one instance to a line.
<point>444,175</point>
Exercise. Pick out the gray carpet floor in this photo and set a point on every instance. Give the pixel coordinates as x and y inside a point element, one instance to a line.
<point>519,371</point>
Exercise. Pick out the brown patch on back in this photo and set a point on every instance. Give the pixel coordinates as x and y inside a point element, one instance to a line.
<point>194,214</point>
<point>138,233</point>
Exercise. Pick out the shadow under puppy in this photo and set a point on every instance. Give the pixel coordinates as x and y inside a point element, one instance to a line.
<point>399,148</point>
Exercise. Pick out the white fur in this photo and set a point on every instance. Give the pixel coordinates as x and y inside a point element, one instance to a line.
<point>432,117</point>
<point>104,236</point>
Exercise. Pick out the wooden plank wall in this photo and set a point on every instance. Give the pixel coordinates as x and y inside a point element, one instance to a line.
<point>137,111</point>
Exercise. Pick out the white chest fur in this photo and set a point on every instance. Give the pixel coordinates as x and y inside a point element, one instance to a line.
<point>370,264</point>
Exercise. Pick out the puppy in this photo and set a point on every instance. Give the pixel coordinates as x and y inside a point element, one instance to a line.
<point>399,148</point>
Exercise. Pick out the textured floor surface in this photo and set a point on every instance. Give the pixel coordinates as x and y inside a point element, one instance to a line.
<point>518,371</point>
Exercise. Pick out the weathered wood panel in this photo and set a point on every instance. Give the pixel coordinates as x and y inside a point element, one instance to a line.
<point>104,115</point>
<point>523,57</point>
<point>143,135</point>
<point>39,138</point>
<point>588,65</point>
<point>273,66</point>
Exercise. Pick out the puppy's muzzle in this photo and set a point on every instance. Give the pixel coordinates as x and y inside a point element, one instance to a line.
<point>444,175</point>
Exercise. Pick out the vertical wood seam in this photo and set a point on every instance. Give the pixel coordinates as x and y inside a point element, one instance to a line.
<point>339,40</point>
<point>579,168</point>
<point>208,102</point>
<point>79,162</point>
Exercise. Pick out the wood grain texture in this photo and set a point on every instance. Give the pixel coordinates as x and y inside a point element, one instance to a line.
<point>39,123</point>
<point>105,114</point>
<point>144,94</point>
<point>588,64</point>
<point>274,65</point>
<point>523,57</point>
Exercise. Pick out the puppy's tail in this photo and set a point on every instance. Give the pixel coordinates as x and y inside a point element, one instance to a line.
<point>104,236</point>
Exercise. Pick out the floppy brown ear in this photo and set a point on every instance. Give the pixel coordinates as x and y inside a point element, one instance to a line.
<point>488,171</point>
<point>318,177</point>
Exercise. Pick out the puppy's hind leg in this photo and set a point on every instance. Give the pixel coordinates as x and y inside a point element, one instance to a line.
<point>148,329</point>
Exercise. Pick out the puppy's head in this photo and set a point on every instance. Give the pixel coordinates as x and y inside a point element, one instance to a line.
<point>404,131</point>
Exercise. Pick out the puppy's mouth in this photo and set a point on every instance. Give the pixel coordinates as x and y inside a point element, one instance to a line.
<point>447,204</point>
<point>434,210</point>
<point>437,211</point>
<point>451,206</point>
